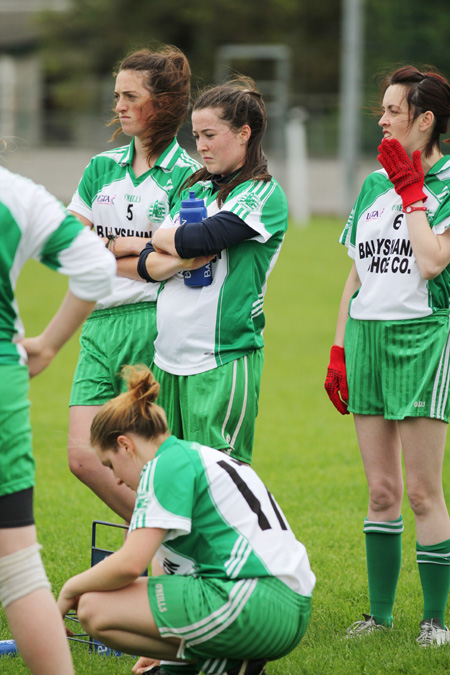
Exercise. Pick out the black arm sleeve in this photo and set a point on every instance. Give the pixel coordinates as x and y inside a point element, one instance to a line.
<point>141,267</point>
<point>212,235</point>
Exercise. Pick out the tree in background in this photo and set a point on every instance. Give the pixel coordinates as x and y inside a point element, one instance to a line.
<point>80,48</point>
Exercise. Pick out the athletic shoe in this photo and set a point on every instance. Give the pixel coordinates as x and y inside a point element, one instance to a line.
<point>432,632</point>
<point>255,667</point>
<point>369,625</point>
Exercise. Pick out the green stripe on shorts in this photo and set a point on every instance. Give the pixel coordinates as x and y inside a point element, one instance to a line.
<point>220,619</point>
<point>217,408</point>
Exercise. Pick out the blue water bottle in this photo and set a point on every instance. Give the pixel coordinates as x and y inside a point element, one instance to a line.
<point>193,210</point>
<point>8,647</point>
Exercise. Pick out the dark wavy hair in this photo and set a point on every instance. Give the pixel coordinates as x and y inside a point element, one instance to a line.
<point>237,103</point>
<point>167,76</point>
<point>424,91</point>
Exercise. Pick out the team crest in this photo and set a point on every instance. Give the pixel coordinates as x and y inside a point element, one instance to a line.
<point>250,202</point>
<point>142,502</point>
<point>157,212</point>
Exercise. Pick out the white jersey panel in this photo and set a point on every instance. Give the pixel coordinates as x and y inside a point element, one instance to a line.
<point>38,226</point>
<point>221,520</point>
<point>270,539</point>
<point>378,240</point>
<point>202,316</point>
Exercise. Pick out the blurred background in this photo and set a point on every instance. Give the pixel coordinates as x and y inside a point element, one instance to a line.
<point>318,65</point>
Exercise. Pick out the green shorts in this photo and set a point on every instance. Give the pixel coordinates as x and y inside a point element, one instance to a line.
<point>16,458</point>
<point>222,619</point>
<point>399,369</point>
<point>110,339</point>
<point>217,408</point>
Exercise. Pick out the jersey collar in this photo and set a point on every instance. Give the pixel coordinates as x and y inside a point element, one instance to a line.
<point>166,160</point>
<point>219,181</point>
<point>441,164</point>
<point>167,444</point>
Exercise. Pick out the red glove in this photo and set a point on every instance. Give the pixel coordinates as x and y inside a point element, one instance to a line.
<point>336,382</point>
<point>406,175</point>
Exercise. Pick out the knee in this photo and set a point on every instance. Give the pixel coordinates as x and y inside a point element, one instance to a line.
<point>385,495</point>
<point>21,573</point>
<point>87,614</point>
<point>420,500</point>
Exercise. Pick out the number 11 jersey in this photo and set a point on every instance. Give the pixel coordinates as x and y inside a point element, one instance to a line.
<point>222,521</point>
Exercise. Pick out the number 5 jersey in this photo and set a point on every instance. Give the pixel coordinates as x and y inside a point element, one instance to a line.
<point>117,202</point>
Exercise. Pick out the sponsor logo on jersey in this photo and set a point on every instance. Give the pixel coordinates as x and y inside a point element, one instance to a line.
<point>373,215</point>
<point>108,200</point>
<point>387,255</point>
<point>157,211</point>
<point>121,232</point>
<point>134,199</point>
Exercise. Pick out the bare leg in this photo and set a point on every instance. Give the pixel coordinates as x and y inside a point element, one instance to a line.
<point>86,466</point>
<point>423,443</point>
<point>380,447</point>
<point>34,619</point>
<point>123,620</point>
<point>157,569</point>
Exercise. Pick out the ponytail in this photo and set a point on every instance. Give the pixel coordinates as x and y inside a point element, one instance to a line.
<point>133,411</point>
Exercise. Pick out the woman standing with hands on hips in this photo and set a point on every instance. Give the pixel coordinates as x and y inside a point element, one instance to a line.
<point>124,195</point>
<point>209,349</point>
<point>34,225</point>
<point>392,345</point>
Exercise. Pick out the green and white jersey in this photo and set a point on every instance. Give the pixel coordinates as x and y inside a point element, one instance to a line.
<point>222,521</point>
<point>111,197</point>
<point>202,328</point>
<point>376,234</point>
<point>33,224</point>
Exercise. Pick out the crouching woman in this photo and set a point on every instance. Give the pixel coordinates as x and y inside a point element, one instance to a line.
<point>237,589</point>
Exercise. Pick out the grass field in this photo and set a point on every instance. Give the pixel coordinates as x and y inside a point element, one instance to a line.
<point>305,452</point>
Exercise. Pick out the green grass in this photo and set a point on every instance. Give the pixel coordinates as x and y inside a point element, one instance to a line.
<point>305,451</point>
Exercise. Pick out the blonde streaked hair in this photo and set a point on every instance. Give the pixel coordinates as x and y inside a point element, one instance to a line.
<point>133,411</point>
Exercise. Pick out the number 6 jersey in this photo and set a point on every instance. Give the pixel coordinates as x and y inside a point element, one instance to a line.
<point>377,238</point>
<point>222,521</point>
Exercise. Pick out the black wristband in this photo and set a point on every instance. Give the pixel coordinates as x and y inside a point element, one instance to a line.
<point>141,266</point>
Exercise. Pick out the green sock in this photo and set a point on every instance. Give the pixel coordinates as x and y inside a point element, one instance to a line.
<point>434,570</point>
<point>384,556</point>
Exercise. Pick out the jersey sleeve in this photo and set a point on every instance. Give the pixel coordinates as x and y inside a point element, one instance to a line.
<point>91,268</point>
<point>262,206</point>
<point>441,221</point>
<point>81,202</point>
<point>166,498</point>
<point>375,183</point>
<point>59,241</point>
